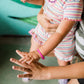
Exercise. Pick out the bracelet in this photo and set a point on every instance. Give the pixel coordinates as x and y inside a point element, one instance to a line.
<point>40,54</point>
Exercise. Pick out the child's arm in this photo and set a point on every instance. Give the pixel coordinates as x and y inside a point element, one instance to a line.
<point>57,37</point>
<point>50,44</point>
<point>37,2</point>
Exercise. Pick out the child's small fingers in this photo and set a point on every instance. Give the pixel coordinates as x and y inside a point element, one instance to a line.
<point>29,62</point>
<point>26,60</point>
<point>20,53</point>
<point>22,59</point>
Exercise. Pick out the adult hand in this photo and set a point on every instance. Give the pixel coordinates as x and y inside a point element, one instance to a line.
<point>35,70</point>
<point>45,22</point>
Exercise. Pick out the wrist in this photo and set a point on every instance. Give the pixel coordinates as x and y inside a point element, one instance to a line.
<point>43,50</point>
<point>48,74</point>
<point>40,54</point>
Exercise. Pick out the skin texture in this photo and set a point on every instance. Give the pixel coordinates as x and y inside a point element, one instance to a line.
<point>45,22</point>
<point>46,73</point>
<point>33,70</point>
<point>57,37</point>
<point>51,28</point>
<point>38,71</point>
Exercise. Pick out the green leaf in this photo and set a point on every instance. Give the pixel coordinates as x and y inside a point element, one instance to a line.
<point>30,20</point>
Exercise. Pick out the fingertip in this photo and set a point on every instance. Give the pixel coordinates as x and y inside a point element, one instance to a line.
<point>17,50</point>
<point>11,59</point>
<point>13,67</point>
<point>18,76</point>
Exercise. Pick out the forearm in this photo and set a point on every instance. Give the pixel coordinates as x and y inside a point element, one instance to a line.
<point>67,72</point>
<point>50,44</point>
<point>56,38</point>
<point>37,2</point>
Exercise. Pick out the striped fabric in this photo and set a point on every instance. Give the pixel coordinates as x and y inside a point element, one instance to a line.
<point>80,39</point>
<point>61,9</point>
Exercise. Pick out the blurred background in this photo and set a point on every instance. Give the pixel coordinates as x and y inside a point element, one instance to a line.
<point>16,19</point>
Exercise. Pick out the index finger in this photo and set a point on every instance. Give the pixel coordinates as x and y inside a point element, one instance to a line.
<point>19,63</point>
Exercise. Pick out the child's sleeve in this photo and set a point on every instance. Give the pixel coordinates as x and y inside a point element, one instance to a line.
<point>73,10</point>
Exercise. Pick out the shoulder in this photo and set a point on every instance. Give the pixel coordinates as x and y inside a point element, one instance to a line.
<point>74,3</point>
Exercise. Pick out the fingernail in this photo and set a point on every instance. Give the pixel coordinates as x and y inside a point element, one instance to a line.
<point>11,59</point>
<point>13,67</point>
<point>18,76</point>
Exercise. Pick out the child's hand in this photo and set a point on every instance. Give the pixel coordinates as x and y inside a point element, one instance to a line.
<point>28,57</point>
<point>45,22</point>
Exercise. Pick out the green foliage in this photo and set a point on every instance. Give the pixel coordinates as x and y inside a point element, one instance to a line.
<point>30,20</point>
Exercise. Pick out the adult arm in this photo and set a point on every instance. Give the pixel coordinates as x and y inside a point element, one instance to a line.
<point>67,72</point>
<point>46,73</point>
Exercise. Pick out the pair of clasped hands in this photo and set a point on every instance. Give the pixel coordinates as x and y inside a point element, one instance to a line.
<point>29,61</point>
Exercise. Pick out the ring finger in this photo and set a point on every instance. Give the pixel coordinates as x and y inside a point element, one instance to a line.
<point>22,69</point>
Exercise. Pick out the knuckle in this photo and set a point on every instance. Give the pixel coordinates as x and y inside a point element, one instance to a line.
<point>24,69</point>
